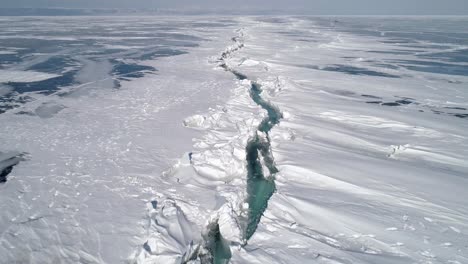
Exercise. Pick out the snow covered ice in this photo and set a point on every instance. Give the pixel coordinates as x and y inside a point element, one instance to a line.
<point>239,140</point>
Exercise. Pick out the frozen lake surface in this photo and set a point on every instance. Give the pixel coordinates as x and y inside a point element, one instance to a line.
<point>238,139</point>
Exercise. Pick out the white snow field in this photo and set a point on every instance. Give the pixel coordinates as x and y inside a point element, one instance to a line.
<point>93,159</point>
<point>360,139</point>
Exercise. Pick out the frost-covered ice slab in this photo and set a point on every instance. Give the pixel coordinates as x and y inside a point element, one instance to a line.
<point>24,76</point>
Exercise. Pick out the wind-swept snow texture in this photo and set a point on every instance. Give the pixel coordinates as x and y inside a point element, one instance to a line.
<point>369,159</point>
<point>315,140</point>
<point>94,152</point>
<point>363,182</point>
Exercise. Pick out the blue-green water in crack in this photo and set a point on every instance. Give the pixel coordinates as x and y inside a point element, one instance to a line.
<point>260,188</point>
<point>213,250</point>
<point>261,170</point>
<point>218,247</point>
<point>274,115</point>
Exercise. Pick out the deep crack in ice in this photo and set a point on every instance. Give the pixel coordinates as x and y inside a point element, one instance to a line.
<point>260,183</point>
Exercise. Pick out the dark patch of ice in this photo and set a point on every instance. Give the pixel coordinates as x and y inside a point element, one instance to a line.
<point>12,100</point>
<point>371,96</point>
<point>404,101</point>
<point>455,108</point>
<point>461,115</point>
<point>161,53</point>
<point>25,113</point>
<point>433,67</point>
<point>394,52</point>
<point>239,75</point>
<point>48,110</point>
<point>9,59</point>
<point>130,70</point>
<point>46,87</point>
<point>147,247</point>
<point>55,64</point>
<point>387,66</point>
<point>460,55</point>
<point>7,162</point>
<point>391,104</point>
<point>343,93</point>
<point>356,71</point>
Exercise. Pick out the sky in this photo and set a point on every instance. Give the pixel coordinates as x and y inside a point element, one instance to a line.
<point>320,7</point>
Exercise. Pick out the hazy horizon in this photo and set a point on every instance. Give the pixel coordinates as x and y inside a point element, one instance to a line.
<point>315,7</point>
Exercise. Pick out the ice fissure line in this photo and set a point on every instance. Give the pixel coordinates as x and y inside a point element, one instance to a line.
<point>261,167</point>
<point>261,171</point>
